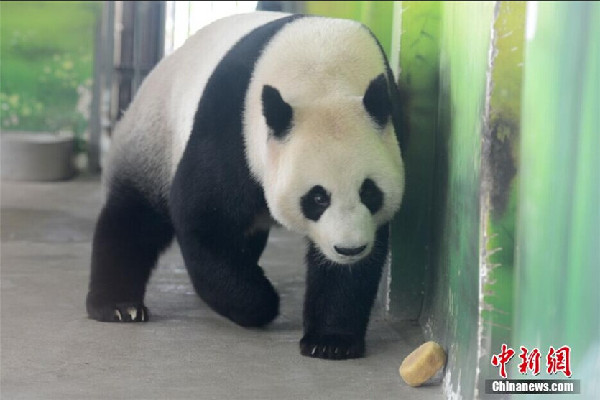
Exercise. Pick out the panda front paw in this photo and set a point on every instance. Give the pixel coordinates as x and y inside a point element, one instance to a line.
<point>129,312</point>
<point>332,347</point>
<point>118,312</point>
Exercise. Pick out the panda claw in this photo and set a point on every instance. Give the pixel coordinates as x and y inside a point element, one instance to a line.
<point>114,311</point>
<point>332,347</point>
<point>132,311</point>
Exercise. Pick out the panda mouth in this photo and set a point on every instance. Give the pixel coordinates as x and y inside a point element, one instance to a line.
<point>350,255</point>
<point>350,251</point>
<point>342,255</point>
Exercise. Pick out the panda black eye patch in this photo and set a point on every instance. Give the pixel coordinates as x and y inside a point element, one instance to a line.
<point>371,196</point>
<point>377,101</point>
<point>277,112</point>
<point>315,202</point>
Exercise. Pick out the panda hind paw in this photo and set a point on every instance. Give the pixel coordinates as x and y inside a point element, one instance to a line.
<point>120,312</point>
<point>332,347</point>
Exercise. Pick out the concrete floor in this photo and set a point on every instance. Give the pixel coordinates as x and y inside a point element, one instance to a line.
<point>51,350</point>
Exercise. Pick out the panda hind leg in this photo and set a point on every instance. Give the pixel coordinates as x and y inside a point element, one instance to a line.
<point>130,234</point>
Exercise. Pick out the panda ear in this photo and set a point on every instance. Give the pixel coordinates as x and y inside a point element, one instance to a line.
<point>377,101</point>
<point>277,112</point>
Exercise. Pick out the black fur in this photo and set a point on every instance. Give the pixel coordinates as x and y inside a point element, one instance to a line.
<point>371,196</point>
<point>314,203</point>
<point>130,234</point>
<point>277,112</point>
<point>377,100</point>
<point>338,302</point>
<point>214,199</point>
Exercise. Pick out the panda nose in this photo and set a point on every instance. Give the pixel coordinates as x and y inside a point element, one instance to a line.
<point>350,251</point>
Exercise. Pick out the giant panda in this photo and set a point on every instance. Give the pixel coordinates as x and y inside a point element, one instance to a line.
<point>258,118</point>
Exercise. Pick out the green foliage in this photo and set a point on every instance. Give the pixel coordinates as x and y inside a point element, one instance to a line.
<point>47,62</point>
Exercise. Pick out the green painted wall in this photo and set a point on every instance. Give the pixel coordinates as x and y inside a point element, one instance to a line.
<point>377,15</point>
<point>558,259</point>
<point>498,165</point>
<point>411,229</point>
<point>452,300</point>
<point>499,186</point>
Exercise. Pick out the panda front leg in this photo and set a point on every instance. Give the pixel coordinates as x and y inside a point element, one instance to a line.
<point>130,234</point>
<point>338,302</point>
<point>222,265</point>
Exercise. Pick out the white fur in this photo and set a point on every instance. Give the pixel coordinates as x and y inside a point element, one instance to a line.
<point>322,68</point>
<point>149,140</point>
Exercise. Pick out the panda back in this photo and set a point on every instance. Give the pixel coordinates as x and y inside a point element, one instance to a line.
<point>150,139</point>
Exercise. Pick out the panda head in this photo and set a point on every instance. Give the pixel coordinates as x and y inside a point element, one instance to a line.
<point>333,169</point>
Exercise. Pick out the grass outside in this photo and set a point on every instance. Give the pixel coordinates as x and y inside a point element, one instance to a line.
<point>46,65</point>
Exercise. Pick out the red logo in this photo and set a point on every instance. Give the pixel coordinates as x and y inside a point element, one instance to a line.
<point>502,359</point>
<point>558,360</point>
<point>530,361</point>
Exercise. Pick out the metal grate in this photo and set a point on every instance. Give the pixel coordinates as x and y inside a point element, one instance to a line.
<point>139,45</point>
